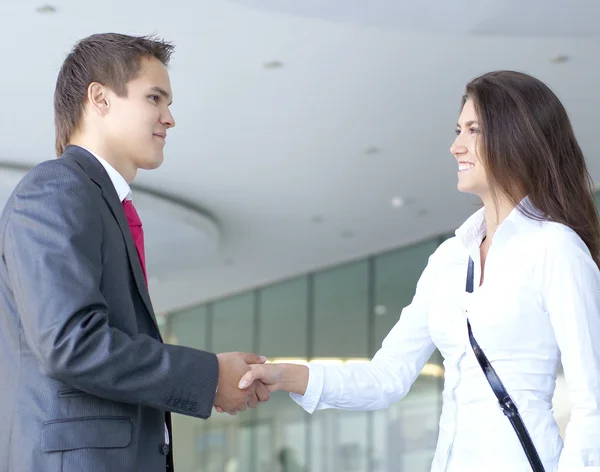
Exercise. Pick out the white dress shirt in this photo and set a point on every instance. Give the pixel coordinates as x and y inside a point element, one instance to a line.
<point>121,186</point>
<point>124,192</point>
<point>539,302</point>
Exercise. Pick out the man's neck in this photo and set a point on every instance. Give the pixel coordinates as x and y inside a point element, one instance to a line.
<point>110,157</point>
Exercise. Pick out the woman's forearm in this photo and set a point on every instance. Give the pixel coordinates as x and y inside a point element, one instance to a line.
<point>294,378</point>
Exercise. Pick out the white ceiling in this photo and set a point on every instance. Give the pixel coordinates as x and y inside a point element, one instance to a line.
<point>266,150</point>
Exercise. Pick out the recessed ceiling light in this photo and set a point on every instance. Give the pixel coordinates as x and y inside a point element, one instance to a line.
<point>380,310</point>
<point>46,9</point>
<point>371,150</point>
<point>397,202</point>
<point>273,65</point>
<point>560,59</point>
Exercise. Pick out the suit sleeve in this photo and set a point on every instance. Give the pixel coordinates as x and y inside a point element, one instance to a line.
<point>53,253</point>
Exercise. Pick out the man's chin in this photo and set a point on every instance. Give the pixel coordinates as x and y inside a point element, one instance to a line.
<point>151,164</point>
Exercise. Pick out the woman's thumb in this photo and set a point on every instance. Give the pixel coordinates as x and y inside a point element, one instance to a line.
<point>246,380</point>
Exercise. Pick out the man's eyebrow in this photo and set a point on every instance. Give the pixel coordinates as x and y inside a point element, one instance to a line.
<point>161,91</point>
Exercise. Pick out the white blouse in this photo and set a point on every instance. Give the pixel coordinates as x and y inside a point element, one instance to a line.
<point>539,304</point>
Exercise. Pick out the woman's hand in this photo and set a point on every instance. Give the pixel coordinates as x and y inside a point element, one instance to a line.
<point>271,375</point>
<point>287,377</point>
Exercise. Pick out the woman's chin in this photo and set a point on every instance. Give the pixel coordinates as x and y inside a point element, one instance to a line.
<point>463,187</point>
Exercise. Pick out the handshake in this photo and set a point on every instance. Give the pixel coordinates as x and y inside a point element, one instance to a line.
<point>245,381</point>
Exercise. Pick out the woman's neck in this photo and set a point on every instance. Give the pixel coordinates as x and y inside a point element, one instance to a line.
<point>495,213</point>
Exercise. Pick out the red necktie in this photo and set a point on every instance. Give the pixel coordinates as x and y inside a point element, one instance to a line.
<point>135,226</point>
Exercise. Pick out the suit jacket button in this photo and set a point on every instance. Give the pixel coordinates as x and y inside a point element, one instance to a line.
<point>165,449</point>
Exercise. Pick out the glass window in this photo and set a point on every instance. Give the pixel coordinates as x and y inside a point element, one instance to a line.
<point>283,319</point>
<point>190,328</point>
<point>233,324</point>
<point>341,312</point>
<point>283,326</point>
<point>396,276</point>
<point>404,436</point>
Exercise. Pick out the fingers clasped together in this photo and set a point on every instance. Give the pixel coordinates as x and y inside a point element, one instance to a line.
<point>244,381</point>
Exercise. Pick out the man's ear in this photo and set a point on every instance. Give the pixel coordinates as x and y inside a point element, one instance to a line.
<point>98,98</point>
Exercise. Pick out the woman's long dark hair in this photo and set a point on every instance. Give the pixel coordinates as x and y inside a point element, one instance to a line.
<point>529,148</point>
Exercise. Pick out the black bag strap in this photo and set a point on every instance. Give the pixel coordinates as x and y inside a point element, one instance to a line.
<point>507,405</point>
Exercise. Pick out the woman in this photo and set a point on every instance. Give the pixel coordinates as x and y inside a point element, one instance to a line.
<point>536,247</point>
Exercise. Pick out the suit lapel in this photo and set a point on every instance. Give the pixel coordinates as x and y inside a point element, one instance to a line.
<point>98,174</point>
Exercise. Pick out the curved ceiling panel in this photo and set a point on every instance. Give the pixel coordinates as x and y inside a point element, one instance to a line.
<point>178,236</point>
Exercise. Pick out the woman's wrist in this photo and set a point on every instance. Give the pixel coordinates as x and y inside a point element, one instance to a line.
<point>294,378</point>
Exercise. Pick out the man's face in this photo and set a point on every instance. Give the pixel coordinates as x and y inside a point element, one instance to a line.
<point>137,124</point>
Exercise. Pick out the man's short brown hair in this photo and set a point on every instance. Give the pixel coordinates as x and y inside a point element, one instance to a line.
<point>110,59</point>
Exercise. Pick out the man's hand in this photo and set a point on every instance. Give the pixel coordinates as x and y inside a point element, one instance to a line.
<point>229,398</point>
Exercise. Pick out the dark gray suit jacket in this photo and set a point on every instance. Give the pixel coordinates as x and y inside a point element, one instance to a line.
<point>85,379</point>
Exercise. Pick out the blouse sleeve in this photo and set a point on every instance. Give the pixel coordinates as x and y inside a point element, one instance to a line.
<point>571,292</point>
<point>389,375</point>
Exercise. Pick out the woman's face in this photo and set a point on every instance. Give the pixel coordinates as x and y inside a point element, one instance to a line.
<point>466,149</point>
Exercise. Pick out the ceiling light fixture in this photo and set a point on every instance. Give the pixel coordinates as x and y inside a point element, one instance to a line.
<point>46,9</point>
<point>560,59</point>
<point>380,310</point>
<point>273,65</point>
<point>397,202</point>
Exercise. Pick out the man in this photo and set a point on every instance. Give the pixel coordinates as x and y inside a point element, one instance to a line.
<point>86,379</point>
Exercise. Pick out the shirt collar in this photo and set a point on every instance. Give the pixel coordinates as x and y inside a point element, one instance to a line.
<point>121,186</point>
<point>472,231</point>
